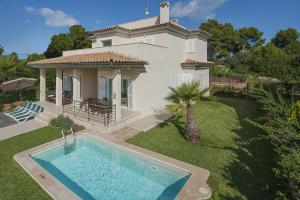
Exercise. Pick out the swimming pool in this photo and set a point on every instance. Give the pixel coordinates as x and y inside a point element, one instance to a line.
<point>95,169</point>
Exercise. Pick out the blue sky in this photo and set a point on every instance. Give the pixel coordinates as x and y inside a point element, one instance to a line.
<point>27,25</point>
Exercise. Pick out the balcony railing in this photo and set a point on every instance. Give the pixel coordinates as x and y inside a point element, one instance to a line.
<point>104,114</point>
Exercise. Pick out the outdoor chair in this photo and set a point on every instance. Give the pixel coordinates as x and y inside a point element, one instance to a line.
<point>29,110</point>
<point>24,111</point>
<point>27,105</point>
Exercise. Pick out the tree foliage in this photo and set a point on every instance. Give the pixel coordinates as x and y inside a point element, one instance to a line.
<point>223,40</point>
<point>12,67</point>
<point>270,60</point>
<point>288,40</point>
<point>76,38</point>
<point>243,50</point>
<point>35,57</point>
<point>1,50</point>
<point>284,38</point>
<point>284,134</point>
<point>249,37</point>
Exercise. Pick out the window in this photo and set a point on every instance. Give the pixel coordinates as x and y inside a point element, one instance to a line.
<point>105,89</point>
<point>190,45</point>
<point>67,83</point>
<point>201,80</point>
<point>149,40</point>
<point>146,39</point>
<point>107,43</point>
<point>175,82</point>
<point>187,77</point>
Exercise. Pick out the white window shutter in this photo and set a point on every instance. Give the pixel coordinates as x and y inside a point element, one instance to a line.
<point>149,40</point>
<point>65,83</point>
<point>190,45</point>
<point>187,77</point>
<point>175,80</point>
<point>102,88</point>
<point>140,39</point>
<point>201,80</point>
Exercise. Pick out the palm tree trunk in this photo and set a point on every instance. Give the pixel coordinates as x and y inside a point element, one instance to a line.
<point>192,132</point>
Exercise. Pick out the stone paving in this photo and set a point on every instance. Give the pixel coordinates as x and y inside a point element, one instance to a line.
<point>6,121</point>
<point>20,128</point>
<point>140,125</point>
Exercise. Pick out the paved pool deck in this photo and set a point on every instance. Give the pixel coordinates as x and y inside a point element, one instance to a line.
<point>20,128</point>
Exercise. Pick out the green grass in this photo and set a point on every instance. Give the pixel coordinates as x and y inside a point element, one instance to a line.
<point>14,182</point>
<point>240,161</point>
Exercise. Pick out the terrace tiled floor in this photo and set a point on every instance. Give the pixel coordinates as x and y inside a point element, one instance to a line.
<point>20,128</point>
<point>142,124</point>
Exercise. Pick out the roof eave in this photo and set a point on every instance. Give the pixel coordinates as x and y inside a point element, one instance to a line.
<point>165,27</point>
<point>89,65</point>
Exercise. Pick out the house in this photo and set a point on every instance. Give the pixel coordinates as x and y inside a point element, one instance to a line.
<point>131,65</point>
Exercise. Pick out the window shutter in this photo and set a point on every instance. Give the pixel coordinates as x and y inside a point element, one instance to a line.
<point>190,45</point>
<point>65,83</point>
<point>102,88</point>
<point>149,40</point>
<point>174,80</point>
<point>187,77</point>
<point>140,39</point>
<point>201,80</point>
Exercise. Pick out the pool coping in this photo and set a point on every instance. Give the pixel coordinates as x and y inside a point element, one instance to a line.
<point>195,188</point>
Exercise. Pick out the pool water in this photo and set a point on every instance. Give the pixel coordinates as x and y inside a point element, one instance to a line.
<point>95,169</point>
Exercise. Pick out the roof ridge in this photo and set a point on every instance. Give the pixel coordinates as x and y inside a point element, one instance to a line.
<point>139,20</point>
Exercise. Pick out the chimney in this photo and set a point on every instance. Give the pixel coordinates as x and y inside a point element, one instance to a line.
<point>164,12</point>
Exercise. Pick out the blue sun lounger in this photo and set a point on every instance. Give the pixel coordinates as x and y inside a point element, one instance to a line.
<point>19,109</point>
<point>22,114</point>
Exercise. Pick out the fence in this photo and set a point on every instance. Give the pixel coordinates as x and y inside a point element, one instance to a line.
<point>104,114</point>
<point>234,82</point>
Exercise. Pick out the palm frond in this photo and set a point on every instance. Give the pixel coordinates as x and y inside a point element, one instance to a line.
<point>185,94</point>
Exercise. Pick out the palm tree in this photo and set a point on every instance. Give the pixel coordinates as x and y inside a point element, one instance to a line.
<point>183,98</point>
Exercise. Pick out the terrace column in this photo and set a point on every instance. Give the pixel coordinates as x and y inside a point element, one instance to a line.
<point>42,84</point>
<point>59,88</point>
<point>76,84</point>
<point>116,93</point>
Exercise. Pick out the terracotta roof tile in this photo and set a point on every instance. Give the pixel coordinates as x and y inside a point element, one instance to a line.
<point>105,57</point>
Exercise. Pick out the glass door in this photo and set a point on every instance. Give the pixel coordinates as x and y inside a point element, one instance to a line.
<point>105,89</point>
<point>130,91</point>
<point>126,92</point>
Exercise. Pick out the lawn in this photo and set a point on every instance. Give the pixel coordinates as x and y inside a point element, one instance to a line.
<point>240,161</point>
<point>14,182</point>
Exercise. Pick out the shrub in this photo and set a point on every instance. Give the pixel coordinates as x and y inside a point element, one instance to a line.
<point>13,96</point>
<point>65,123</point>
<point>282,129</point>
<point>229,91</point>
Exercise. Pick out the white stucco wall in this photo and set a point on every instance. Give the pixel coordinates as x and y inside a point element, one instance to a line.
<point>200,53</point>
<point>157,39</point>
<point>152,86</point>
<point>89,83</point>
